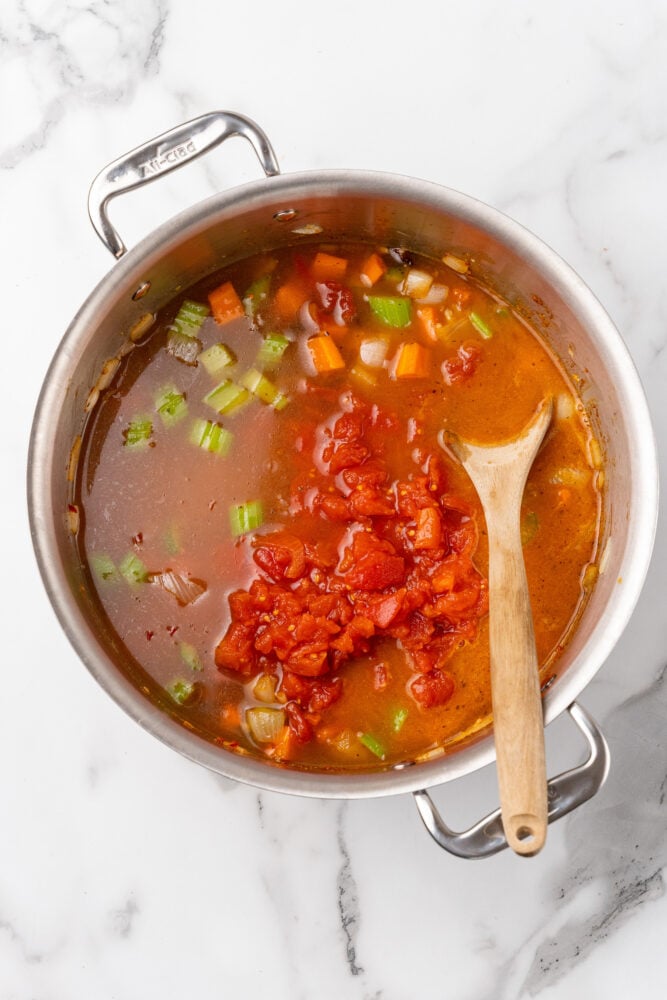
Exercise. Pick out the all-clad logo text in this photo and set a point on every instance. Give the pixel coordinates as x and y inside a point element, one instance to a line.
<point>168,159</point>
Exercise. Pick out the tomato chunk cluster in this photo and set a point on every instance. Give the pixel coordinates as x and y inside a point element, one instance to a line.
<point>360,557</point>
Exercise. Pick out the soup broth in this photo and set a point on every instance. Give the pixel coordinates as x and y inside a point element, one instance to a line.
<point>274,531</point>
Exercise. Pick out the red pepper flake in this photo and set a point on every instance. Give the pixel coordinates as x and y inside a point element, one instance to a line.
<point>149,634</point>
<point>172,629</point>
<point>138,539</point>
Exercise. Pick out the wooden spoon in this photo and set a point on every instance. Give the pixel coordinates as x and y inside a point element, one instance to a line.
<point>499,475</point>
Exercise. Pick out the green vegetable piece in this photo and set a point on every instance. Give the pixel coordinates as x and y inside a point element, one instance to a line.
<point>481,326</point>
<point>103,567</point>
<point>255,295</point>
<point>216,358</point>
<point>171,405</point>
<point>394,274</point>
<point>172,540</point>
<point>259,385</point>
<point>391,309</point>
<point>190,656</point>
<point>181,691</point>
<point>398,719</point>
<point>132,569</point>
<point>189,318</point>
<point>228,397</point>
<point>529,527</point>
<point>280,402</point>
<point>271,352</point>
<point>138,433</point>
<point>372,744</point>
<point>211,437</point>
<point>244,517</point>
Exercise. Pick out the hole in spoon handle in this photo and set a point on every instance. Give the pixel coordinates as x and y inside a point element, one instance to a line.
<point>525,833</point>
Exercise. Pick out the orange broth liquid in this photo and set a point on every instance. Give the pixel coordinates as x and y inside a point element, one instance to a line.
<point>167,501</point>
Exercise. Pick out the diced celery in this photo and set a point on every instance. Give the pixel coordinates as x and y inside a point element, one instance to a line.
<point>132,569</point>
<point>171,405</point>
<point>103,567</point>
<point>280,402</point>
<point>138,432</point>
<point>480,325</point>
<point>271,352</point>
<point>398,719</point>
<point>172,540</point>
<point>228,397</point>
<point>244,517</point>
<point>189,318</point>
<point>216,358</point>
<point>259,385</point>
<point>364,375</point>
<point>391,309</point>
<point>372,744</point>
<point>181,691</point>
<point>211,437</point>
<point>190,656</point>
<point>529,527</point>
<point>256,294</point>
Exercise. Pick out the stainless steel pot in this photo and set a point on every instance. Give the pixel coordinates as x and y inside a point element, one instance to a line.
<point>334,206</point>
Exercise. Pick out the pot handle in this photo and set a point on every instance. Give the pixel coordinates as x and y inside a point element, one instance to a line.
<point>166,152</point>
<point>565,792</point>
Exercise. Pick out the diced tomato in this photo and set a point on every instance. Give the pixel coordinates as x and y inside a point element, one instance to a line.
<point>280,554</point>
<point>324,694</point>
<point>433,688</point>
<point>298,722</point>
<point>235,651</point>
<point>429,529</point>
<point>380,676</point>
<point>463,364</point>
<point>336,301</point>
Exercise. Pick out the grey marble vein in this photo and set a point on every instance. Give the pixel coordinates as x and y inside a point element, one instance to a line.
<point>348,899</point>
<point>55,69</point>
<point>617,851</point>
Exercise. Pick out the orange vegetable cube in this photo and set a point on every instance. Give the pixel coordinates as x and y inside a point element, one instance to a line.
<point>326,356</point>
<point>326,267</point>
<point>426,320</point>
<point>412,361</point>
<point>372,270</point>
<point>225,303</point>
<point>285,746</point>
<point>288,299</point>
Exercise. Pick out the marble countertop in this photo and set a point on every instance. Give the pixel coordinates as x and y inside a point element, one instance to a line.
<point>126,870</point>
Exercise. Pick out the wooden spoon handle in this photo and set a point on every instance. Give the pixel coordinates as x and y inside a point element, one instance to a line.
<point>517,707</point>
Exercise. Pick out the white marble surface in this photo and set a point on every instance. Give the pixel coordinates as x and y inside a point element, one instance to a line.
<point>126,871</point>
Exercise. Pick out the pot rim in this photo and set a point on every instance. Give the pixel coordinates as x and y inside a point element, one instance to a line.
<point>270,193</point>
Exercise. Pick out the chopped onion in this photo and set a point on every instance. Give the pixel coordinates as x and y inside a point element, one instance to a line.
<point>564,406</point>
<point>416,283</point>
<point>568,476</point>
<point>265,724</point>
<point>435,295</point>
<point>456,263</point>
<point>185,589</point>
<point>183,348</point>
<point>265,688</point>
<point>373,351</point>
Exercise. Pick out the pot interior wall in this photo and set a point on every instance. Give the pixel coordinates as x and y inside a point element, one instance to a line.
<point>380,210</point>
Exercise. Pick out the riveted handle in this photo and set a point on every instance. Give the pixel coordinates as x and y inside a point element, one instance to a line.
<point>167,152</point>
<point>565,792</point>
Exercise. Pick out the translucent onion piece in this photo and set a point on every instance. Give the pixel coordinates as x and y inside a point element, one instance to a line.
<point>373,351</point>
<point>186,589</point>
<point>265,724</point>
<point>435,295</point>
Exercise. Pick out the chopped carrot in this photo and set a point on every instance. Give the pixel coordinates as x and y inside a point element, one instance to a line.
<point>372,270</point>
<point>429,529</point>
<point>326,267</point>
<point>225,303</point>
<point>326,356</point>
<point>328,324</point>
<point>230,715</point>
<point>289,298</point>
<point>426,319</point>
<point>412,361</point>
